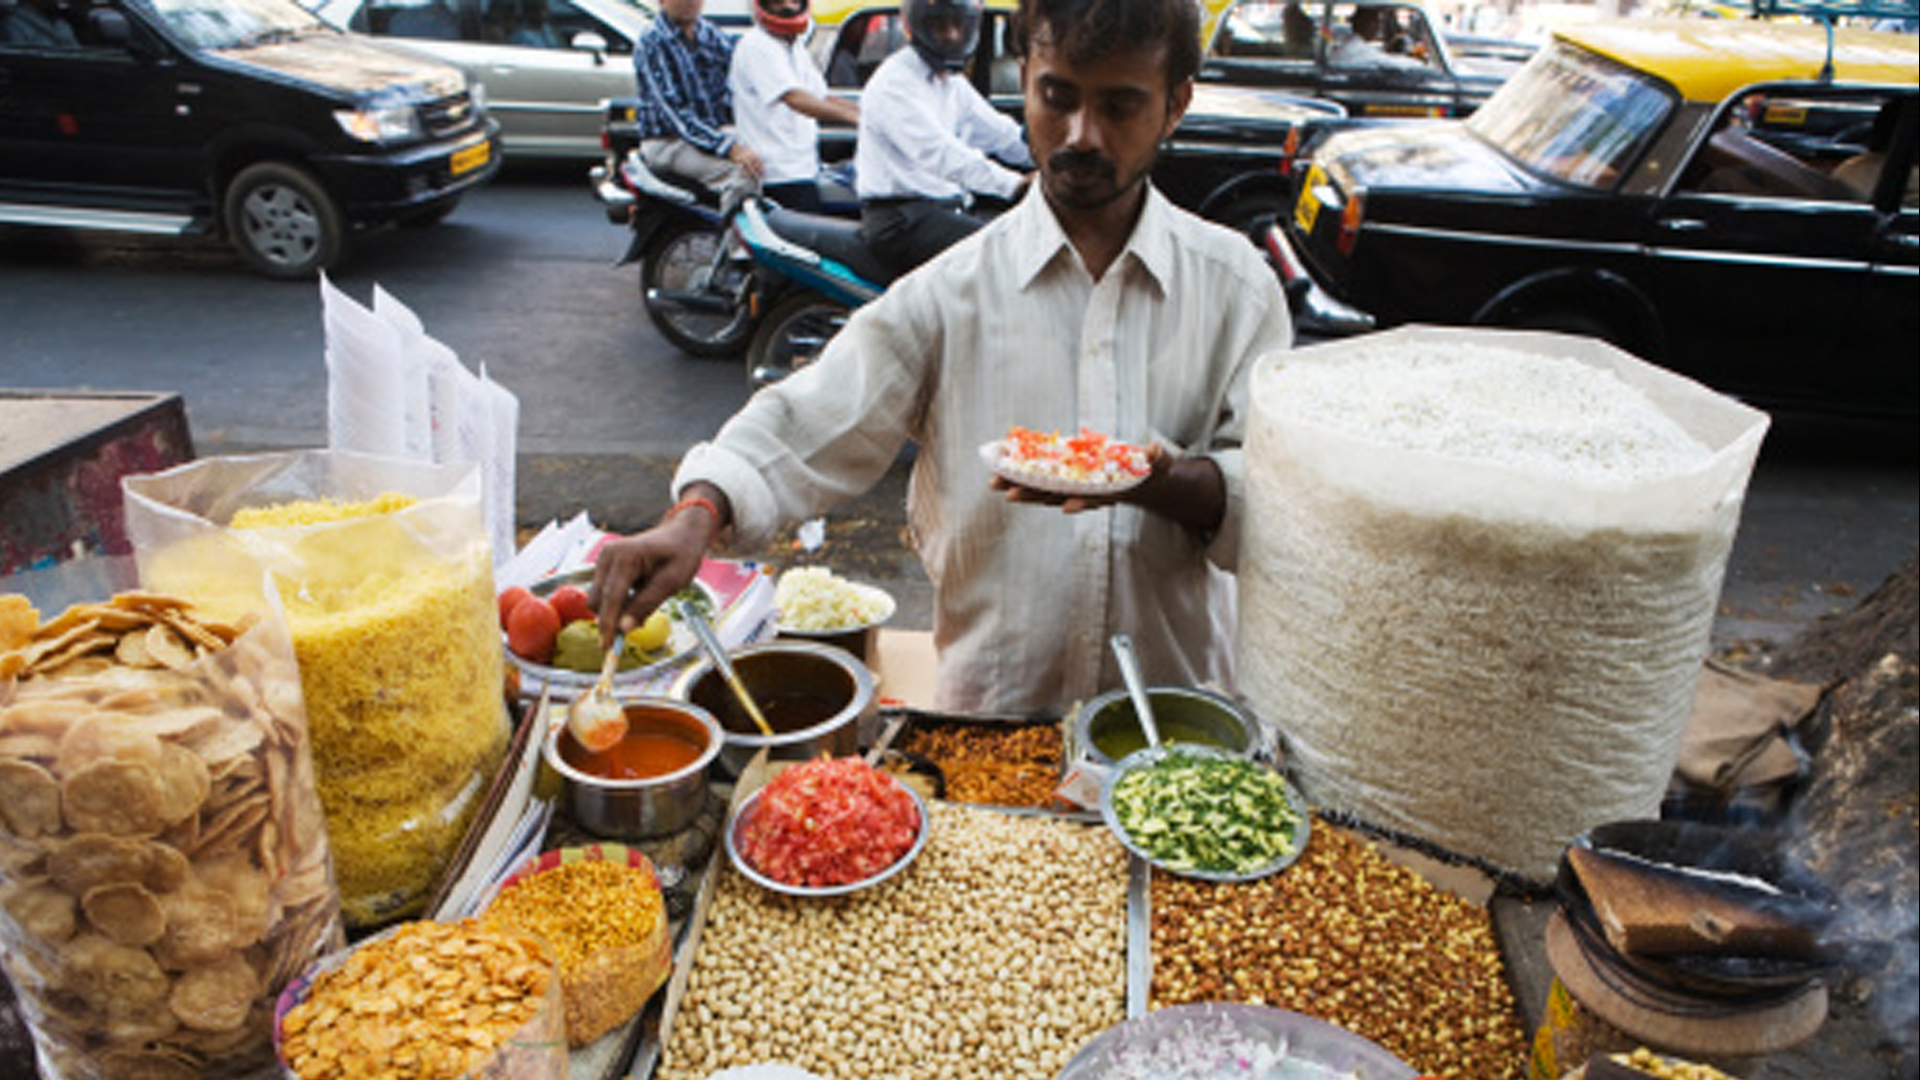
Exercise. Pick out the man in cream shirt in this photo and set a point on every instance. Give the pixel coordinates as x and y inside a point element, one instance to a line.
<point>1094,302</point>
<point>779,98</point>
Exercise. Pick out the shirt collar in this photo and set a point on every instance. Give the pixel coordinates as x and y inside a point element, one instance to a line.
<point>1039,239</point>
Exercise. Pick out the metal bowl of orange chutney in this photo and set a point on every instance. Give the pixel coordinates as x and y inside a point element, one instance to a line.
<point>651,783</point>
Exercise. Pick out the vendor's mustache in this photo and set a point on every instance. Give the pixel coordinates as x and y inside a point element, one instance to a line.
<point>1078,160</point>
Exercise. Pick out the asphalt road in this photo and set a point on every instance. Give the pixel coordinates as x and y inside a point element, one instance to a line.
<point>521,279</point>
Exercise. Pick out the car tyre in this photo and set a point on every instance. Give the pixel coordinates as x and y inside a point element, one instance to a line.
<point>675,261</point>
<point>283,222</point>
<point>792,336</point>
<point>1568,320</point>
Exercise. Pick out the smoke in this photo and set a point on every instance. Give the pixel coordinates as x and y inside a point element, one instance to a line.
<point>1856,825</point>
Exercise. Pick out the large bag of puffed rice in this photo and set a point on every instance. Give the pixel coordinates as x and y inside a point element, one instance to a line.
<point>386,572</point>
<point>1479,577</point>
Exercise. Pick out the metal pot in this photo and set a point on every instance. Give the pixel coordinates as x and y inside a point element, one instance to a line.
<point>1184,714</point>
<point>641,809</point>
<point>817,699</point>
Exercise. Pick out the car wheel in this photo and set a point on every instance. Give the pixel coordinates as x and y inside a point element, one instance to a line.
<point>679,263</point>
<point>282,222</point>
<point>1564,321</point>
<point>792,336</point>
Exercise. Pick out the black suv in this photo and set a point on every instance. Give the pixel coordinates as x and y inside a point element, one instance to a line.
<point>250,119</point>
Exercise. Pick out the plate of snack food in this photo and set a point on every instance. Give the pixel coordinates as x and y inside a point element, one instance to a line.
<point>813,601</point>
<point>827,827</point>
<point>1223,1041</point>
<point>1088,463</point>
<point>550,634</point>
<point>1206,813</point>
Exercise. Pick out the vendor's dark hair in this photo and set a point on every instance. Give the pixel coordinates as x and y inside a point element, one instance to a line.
<point>1085,31</point>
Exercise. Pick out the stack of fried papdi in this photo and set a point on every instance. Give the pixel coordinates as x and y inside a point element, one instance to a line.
<point>165,859</point>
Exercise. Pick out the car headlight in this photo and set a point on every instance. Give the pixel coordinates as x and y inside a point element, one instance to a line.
<point>390,123</point>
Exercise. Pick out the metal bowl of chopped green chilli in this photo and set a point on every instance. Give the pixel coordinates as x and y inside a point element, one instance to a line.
<point>1205,813</point>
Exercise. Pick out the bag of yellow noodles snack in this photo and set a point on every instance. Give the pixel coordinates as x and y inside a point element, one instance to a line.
<point>387,576</point>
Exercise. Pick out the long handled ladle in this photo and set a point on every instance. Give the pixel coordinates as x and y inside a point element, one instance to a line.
<point>717,652</point>
<point>1136,687</point>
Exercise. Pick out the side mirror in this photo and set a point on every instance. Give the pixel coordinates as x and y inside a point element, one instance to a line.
<point>108,26</point>
<point>589,41</point>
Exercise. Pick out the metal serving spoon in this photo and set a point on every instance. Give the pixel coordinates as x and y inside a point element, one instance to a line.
<point>1136,687</point>
<point>717,652</point>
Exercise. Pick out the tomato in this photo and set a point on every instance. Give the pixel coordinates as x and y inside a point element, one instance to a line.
<point>571,602</point>
<point>532,628</point>
<point>509,599</point>
<point>829,822</point>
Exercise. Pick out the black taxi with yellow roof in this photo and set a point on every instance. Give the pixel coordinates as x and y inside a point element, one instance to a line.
<point>1737,201</point>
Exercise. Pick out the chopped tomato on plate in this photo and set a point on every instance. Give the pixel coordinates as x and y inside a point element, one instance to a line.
<point>828,822</point>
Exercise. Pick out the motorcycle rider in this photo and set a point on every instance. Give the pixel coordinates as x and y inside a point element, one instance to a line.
<point>779,98</point>
<point>928,139</point>
<point>685,114</point>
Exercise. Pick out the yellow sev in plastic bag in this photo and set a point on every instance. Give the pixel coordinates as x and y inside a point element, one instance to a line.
<point>387,579</point>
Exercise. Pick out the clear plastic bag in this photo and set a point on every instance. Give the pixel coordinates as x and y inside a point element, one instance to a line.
<point>1491,653</point>
<point>163,856</point>
<point>393,618</point>
<point>457,1000</point>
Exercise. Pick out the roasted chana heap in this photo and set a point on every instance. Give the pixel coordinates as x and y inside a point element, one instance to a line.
<point>1350,937</point>
<point>430,1001</point>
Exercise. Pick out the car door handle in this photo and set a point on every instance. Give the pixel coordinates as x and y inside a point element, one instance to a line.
<point>1904,240</point>
<point>1682,224</point>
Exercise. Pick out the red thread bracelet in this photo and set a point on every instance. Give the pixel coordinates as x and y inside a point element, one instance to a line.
<point>692,501</point>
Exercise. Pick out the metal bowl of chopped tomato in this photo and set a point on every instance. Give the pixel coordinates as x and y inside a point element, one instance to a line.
<point>827,827</point>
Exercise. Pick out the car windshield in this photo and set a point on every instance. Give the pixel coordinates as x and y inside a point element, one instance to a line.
<point>230,24</point>
<point>1574,116</point>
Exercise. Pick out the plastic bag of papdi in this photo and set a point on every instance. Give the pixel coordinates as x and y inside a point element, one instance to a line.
<point>1479,577</point>
<point>163,857</point>
<point>387,577</point>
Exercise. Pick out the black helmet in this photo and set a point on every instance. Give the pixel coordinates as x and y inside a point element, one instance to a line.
<point>945,32</point>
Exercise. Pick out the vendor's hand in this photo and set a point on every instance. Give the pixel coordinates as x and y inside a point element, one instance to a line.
<point>1158,463</point>
<point>636,574</point>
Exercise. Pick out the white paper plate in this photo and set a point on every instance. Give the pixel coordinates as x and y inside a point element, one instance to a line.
<point>998,456</point>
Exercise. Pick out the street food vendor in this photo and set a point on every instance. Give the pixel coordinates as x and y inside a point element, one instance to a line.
<point>1093,304</point>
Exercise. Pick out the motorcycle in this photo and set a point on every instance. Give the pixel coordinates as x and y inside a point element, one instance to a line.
<point>810,273</point>
<point>693,283</point>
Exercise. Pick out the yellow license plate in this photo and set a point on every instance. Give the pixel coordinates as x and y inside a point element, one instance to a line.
<point>1308,206</point>
<point>1786,115</point>
<point>465,161</point>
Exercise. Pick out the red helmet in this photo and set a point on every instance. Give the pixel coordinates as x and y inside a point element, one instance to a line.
<point>785,18</point>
